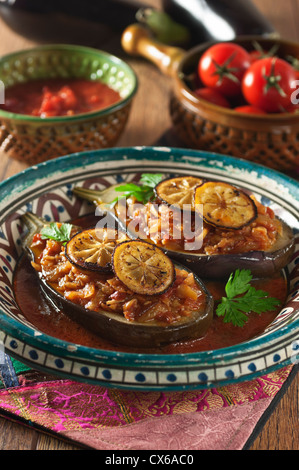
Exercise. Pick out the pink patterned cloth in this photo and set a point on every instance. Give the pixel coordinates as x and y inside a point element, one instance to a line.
<point>110,419</point>
<point>224,429</point>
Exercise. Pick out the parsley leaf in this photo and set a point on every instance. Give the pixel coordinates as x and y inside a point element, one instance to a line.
<point>144,192</point>
<point>59,234</point>
<point>234,306</point>
<point>151,180</point>
<point>238,283</point>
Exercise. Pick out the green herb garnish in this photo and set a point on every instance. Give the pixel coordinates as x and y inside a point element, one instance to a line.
<point>151,180</point>
<point>242,298</point>
<point>59,234</point>
<point>144,192</point>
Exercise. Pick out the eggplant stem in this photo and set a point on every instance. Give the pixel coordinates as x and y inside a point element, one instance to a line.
<point>34,225</point>
<point>90,195</point>
<point>33,221</point>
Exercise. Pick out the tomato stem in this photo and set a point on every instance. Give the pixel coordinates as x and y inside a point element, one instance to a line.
<point>225,71</point>
<point>293,61</point>
<point>272,80</point>
<point>263,53</point>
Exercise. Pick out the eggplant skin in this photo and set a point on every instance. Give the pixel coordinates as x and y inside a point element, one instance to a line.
<point>117,330</point>
<point>86,22</point>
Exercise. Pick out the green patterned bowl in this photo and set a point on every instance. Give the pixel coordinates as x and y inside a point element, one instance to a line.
<point>33,139</point>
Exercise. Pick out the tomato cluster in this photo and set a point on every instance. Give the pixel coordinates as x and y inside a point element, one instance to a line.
<point>256,82</point>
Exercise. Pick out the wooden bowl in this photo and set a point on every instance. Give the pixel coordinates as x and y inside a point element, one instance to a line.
<point>34,139</point>
<point>270,139</point>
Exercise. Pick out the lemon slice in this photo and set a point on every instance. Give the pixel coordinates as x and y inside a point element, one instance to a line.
<point>143,268</point>
<point>224,205</point>
<point>178,191</point>
<point>92,249</point>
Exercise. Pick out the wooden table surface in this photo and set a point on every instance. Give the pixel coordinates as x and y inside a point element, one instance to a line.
<point>148,121</point>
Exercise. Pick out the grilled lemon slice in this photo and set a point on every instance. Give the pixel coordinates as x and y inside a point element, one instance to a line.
<point>224,205</point>
<point>142,267</point>
<point>178,191</point>
<point>92,249</point>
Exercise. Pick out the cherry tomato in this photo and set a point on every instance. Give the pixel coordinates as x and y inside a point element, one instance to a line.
<point>248,109</point>
<point>213,96</point>
<point>267,84</point>
<point>222,66</point>
<point>255,55</point>
<point>260,53</point>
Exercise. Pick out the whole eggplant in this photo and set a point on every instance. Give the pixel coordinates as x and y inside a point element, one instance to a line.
<point>218,20</point>
<point>93,22</point>
<point>86,22</point>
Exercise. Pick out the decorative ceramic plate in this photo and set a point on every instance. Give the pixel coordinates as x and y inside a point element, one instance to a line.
<point>46,190</point>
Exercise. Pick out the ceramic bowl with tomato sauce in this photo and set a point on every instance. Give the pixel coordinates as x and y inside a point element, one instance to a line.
<point>230,119</point>
<point>62,99</point>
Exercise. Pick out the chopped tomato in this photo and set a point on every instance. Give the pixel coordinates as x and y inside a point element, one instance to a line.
<point>58,97</point>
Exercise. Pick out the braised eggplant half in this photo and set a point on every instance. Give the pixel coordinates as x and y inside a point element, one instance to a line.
<point>237,231</point>
<point>260,263</point>
<point>137,298</point>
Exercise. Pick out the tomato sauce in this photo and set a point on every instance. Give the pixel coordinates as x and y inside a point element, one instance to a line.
<point>58,97</point>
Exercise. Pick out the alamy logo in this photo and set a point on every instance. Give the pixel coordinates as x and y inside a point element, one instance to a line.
<point>2,93</point>
<point>158,222</point>
<point>295,94</point>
